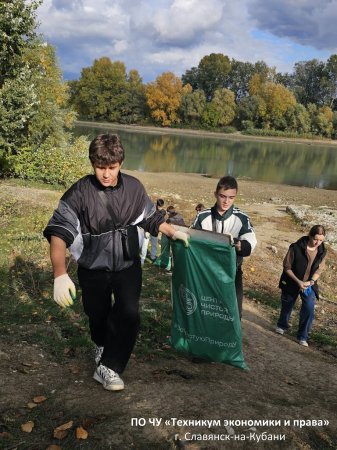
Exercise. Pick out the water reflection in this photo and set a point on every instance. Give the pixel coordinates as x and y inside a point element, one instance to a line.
<point>284,163</point>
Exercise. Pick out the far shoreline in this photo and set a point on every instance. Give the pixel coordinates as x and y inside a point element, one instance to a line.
<point>204,133</point>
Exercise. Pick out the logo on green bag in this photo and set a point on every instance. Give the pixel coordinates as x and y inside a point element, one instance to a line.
<point>187,300</point>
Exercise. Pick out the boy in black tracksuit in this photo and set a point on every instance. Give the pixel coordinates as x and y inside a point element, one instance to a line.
<point>98,220</point>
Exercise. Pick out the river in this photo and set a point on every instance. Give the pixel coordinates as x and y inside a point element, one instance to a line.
<point>298,164</point>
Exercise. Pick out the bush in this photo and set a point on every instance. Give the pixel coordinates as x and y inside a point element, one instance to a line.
<point>278,133</point>
<point>229,130</point>
<point>52,165</point>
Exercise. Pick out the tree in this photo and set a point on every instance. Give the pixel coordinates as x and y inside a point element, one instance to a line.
<point>330,73</point>
<point>101,90</point>
<point>134,109</point>
<point>193,106</point>
<point>221,110</point>
<point>191,77</point>
<point>273,98</point>
<point>240,74</point>
<point>211,74</point>
<point>164,97</point>
<point>33,113</point>
<point>307,84</point>
<point>18,96</point>
<point>297,119</point>
<point>224,102</point>
<point>52,116</point>
<point>321,120</point>
<point>248,112</point>
<point>17,31</point>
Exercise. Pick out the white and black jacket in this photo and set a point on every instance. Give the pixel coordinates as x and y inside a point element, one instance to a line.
<point>83,222</point>
<point>233,222</point>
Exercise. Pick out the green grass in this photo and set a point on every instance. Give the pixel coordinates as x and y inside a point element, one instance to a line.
<point>34,184</point>
<point>156,312</point>
<point>324,337</point>
<point>265,298</point>
<point>26,282</point>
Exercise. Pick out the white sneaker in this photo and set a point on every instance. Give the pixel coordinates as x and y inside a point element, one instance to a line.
<point>303,342</point>
<point>279,330</point>
<point>110,380</point>
<point>98,354</point>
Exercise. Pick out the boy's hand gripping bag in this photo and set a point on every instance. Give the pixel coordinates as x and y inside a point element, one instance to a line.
<point>206,320</point>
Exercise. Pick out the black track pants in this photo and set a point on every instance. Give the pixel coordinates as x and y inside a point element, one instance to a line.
<point>113,325</point>
<point>239,288</point>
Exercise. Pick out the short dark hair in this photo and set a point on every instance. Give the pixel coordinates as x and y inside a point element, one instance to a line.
<point>106,149</point>
<point>316,229</point>
<point>227,182</point>
<point>160,202</point>
<point>199,207</point>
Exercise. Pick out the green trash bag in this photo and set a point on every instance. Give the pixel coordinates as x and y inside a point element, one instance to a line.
<point>206,320</point>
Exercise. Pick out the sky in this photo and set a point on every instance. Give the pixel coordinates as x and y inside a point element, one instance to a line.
<point>157,36</point>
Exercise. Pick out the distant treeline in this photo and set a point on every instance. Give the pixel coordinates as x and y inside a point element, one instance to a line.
<point>38,109</point>
<point>218,94</point>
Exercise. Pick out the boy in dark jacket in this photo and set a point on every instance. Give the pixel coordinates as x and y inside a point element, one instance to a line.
<point>97,219</point>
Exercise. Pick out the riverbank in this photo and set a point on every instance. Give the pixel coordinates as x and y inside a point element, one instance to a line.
<point>203,133</point>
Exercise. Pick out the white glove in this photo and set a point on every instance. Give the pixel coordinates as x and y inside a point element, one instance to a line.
<point>64,290</point>
<point>182,236</point>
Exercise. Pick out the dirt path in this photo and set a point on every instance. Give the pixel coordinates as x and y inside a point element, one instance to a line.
<point>286,382</point>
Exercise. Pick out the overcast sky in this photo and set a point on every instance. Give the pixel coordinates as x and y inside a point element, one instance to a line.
<point>155,36</point>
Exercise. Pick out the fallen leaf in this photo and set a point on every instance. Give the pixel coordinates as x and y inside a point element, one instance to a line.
<point>60,434</point>
<point>81,433</point>
<point>65,426</point>
<point>75,369</point>
<point>27,427</point>
<point>39,399</point>
<point>53,447</point>
<point>31,405</point>
<point>6,435</point>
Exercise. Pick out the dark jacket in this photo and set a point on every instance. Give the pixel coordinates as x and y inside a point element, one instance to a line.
<point>299,267</point>
<point>83,222</point>
<point>176,219</point>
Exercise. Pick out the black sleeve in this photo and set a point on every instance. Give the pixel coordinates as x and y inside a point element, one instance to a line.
<point>246,248</point>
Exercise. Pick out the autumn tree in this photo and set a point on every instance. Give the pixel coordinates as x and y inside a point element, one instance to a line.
<point>164,98</point>
<point>322,120</point>
<point>273,100</point>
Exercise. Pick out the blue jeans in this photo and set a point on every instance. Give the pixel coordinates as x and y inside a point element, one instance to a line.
<point>307,313</point>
